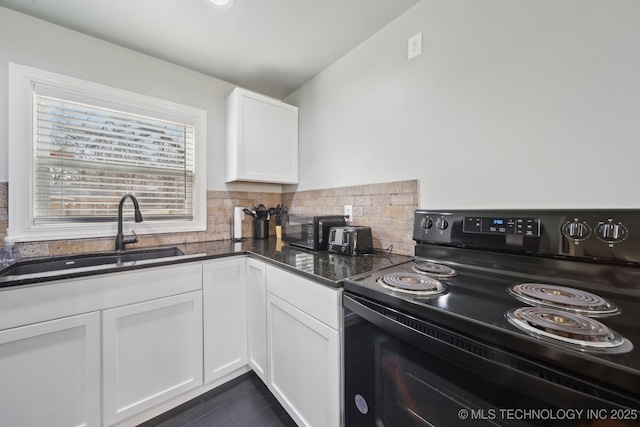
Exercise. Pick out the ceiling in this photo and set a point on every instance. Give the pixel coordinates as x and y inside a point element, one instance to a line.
<point>269,46</point>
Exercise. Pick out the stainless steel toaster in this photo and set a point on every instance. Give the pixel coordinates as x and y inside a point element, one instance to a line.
<point>350,240</point>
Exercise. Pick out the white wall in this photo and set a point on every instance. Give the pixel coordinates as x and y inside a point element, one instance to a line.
<point>35,43</point>
<point>513,104</point>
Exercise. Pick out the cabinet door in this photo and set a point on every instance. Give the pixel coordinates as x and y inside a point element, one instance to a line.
<point>225,313</point>
<point>152,352</point>
<point>304,364</point>
<point>50,373</point>
<point>257,317</point>
<point>262,140</point>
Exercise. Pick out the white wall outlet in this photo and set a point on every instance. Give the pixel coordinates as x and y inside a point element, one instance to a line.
<point>348,213</point>
<point>415,46</point>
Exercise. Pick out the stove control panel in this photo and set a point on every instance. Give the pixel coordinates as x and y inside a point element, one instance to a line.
<point>597,234</point>
<point>502,225</point>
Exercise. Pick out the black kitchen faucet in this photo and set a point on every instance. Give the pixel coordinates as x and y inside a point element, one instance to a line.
<point>121,239</point>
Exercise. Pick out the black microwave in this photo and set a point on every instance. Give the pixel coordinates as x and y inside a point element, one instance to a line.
<point>311,232</point>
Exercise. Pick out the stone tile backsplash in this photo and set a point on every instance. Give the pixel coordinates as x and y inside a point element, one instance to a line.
<point>387,208</point>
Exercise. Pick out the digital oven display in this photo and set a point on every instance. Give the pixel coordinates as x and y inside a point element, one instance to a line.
<point>529,227</point>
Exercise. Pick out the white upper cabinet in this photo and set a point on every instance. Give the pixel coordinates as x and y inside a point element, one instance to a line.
<point>262,139</point>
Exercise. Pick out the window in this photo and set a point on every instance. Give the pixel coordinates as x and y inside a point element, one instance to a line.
<point>87,157</point>
<point>76,148</point>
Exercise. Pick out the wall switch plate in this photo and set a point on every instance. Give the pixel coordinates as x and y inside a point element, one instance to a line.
<point>415,46</point>
<point>348,212</point>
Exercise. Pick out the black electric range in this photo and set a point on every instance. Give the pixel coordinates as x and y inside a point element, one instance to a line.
<point>554,295</point>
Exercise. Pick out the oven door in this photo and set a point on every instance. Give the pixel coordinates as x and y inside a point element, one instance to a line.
<point>401,371</point>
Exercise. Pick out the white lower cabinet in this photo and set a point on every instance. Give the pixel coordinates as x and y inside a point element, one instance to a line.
<point>257,317</point>
<point>100,350</point>
<point>152,352</point>
<point>119,349</point>
<point>303,341</point>
<point>225,319</point>
<point>50,373</point>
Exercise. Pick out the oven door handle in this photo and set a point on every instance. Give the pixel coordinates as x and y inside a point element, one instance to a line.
<point>502,367</point>
<point>389,321</point>
<point>421,334</point>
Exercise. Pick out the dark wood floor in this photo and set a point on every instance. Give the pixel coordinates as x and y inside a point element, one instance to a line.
<point>244,402</point>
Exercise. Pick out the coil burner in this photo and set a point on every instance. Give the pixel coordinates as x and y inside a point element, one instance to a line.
<point>561,297</point>
<point>433,269</point>
<point>577,331</point>
<point>416,284</point>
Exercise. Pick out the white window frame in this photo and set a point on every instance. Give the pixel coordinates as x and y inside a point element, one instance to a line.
<point>21,228</point>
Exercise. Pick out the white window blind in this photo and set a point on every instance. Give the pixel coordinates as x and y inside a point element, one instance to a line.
<point>87,157</point>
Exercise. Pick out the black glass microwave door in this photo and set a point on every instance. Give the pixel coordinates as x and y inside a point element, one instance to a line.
<point>294,230</point>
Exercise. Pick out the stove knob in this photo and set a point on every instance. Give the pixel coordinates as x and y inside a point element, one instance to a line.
<point>576,230</point>
<point>427,223</point>
<point>611,232</point>
<point>442,224</point>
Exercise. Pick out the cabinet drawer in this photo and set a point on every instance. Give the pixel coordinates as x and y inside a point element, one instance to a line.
<point>318,301</point>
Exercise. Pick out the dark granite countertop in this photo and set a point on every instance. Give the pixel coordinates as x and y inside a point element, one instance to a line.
<point>323,267</point>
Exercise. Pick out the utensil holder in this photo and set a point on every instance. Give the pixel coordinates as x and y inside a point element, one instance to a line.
<point>261,228</point>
